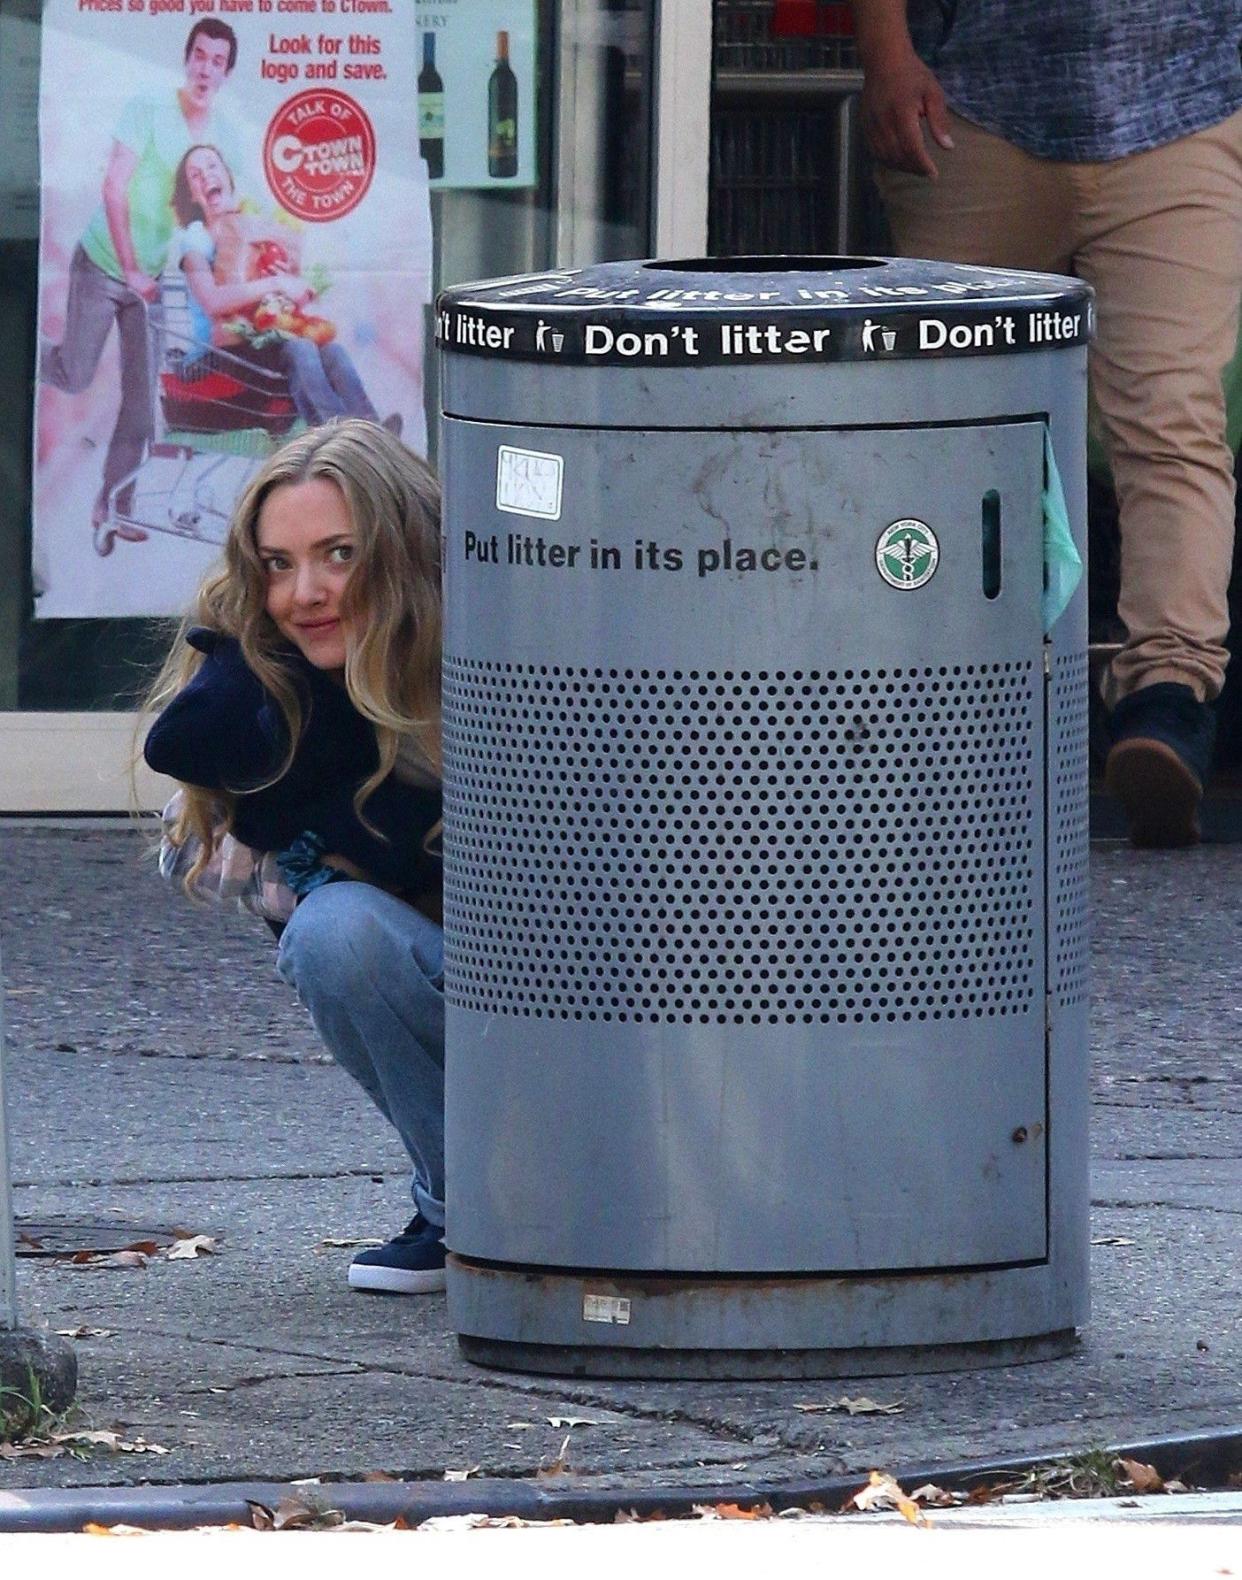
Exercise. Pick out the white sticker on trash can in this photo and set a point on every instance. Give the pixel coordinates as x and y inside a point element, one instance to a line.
<point>605,1308</point>
<point>528,482</point>
<point>907,554</point>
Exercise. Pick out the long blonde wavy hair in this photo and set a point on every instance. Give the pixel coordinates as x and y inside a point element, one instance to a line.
<point>391,604</point>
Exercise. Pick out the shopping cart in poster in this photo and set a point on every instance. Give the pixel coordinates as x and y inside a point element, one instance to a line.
<point>217,416</point>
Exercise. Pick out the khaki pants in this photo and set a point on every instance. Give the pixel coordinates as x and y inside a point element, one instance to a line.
<point>1159,236</point>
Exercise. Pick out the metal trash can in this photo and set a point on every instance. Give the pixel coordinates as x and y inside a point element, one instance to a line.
<point>766,818</point>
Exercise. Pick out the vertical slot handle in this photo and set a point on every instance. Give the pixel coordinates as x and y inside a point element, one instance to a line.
<point>991,542</point>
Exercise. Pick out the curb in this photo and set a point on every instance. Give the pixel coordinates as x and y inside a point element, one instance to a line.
<point>1210,1457</point>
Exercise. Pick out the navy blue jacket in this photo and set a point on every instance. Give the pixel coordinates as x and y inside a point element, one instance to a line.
<point>224,731</point>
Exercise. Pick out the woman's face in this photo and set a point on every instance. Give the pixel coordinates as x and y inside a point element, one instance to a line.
<point>208,179</point>
<point>307,544</point>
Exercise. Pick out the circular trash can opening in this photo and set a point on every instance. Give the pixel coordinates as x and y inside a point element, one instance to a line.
<point>773,263</point>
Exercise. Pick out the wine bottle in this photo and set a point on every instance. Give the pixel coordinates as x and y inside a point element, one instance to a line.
<point>431,110</point>
<point>502,114</point>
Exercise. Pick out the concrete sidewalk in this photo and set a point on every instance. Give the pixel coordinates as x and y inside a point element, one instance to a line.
<point>160,1074</point>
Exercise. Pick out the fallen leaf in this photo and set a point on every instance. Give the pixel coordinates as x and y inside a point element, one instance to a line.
<point>378,1475</point>
<point>261,1517</point>
<point>29,1450</point>
<point>864,1406</point>
<point>883,1492</point>
<point>195,1246</point>
<point>1145,1478</point>
<point>131,1257</point>
<point>859,1406</point>
<point>559,1466</point>
<point>86,1333</point>
<point>462,1475</point>
<point>519,1426</point>
<point>936,1497</point>
<point>292,1514</point>
<point>54,1444</point>
<point>91,1529</point>
<point>989,1491</point>
<point>113,1441</point>
<point>732,1511</point>
<point>572,1421</point>
<point>1111,1239</point>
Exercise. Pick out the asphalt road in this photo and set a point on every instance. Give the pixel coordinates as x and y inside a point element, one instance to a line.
<point>160,1074</point>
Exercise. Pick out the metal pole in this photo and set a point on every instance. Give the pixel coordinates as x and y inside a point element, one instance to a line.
<point>847,115</point>
<point>8,1275</point>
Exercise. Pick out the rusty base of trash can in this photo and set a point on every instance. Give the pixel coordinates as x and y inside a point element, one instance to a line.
<point>563,1360</point>
<point>588,1324</point>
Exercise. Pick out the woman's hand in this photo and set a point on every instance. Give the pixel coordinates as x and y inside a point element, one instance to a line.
<point>350,868</point>
<point>298,290</point>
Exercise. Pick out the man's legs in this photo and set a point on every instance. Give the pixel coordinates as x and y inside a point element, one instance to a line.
<point>90,307</point>
<point>136,417</point>
<point>993,205</point>
<point>1162,242</point>
<point>1163,247</point>
<point>369,968</point>
<point>95,300</point>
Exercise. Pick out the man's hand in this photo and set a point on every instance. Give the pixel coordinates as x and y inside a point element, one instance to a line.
<point>141,284</point>
<point>899,94</point>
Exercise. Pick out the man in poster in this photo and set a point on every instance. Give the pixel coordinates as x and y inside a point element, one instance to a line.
<point>116,265</point>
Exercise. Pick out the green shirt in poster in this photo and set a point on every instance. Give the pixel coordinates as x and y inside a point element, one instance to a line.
<point>156,131</point>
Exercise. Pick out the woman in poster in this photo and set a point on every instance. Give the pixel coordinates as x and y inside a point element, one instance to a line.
<point>244,279</point>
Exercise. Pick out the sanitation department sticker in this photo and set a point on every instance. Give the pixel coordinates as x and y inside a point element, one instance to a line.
<point>907,554</point>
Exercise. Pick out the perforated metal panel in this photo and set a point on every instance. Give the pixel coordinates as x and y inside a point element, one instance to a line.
<point>745,871</point>
<point>743,847</point>
<point>1068,831</point>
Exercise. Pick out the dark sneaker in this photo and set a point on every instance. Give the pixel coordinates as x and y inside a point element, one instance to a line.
<point>410,1264</point>
<point>1159,762</point>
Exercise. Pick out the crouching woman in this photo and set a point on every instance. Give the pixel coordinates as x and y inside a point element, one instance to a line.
<point>300,711</point>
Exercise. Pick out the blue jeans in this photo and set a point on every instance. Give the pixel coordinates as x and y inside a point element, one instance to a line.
<point>370,969</point>
<point>323,381</point>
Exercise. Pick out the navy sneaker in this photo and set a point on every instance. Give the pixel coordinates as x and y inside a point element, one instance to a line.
<point>1159,761</point>
<point>410,1264</point>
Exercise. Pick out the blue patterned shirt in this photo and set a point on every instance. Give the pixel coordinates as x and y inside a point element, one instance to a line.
<point>1084,79</point>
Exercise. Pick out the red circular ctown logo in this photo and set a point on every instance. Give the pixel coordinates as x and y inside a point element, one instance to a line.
<point>319,154</point>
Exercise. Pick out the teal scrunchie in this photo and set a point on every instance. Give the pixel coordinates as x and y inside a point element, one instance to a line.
<point>302,866</point>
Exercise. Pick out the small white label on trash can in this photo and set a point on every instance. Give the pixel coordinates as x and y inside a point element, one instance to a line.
<point>605,1308</point>
<point>528,482</point>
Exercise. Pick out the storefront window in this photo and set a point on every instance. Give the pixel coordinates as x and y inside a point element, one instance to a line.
<point>357,163</point>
